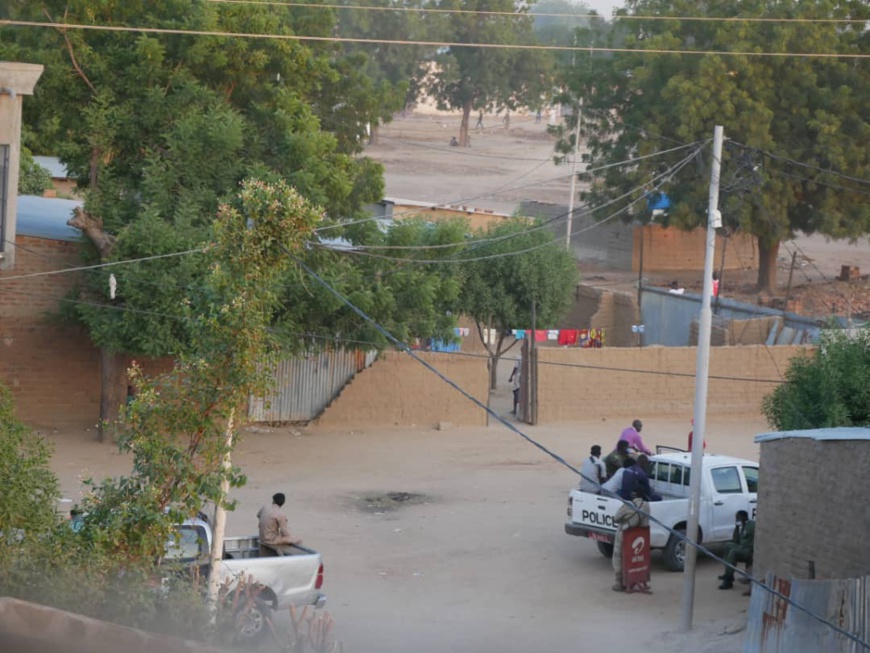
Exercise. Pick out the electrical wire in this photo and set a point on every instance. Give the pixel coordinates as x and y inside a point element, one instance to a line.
<point>440,44</point>
<point>46,273</point>
<point>662,179</point>
<point>481,12</point>
<point>817,182</point>
<point>674,533</point>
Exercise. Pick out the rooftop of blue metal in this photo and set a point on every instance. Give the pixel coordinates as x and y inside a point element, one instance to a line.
<point>841,433</point>
<point>46,217</point>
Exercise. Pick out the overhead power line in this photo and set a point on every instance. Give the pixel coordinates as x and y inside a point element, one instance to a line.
<point>482,12</point>
<point>439,44</point>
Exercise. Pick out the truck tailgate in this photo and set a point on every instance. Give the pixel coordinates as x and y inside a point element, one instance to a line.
<point>292,578</point>
<point>592,515</point>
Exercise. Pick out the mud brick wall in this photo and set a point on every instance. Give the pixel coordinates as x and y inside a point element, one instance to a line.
<point>808,511</point>
<point>52,369</point>
<point>397,390</point>
<point>674,249</point>
<point>609,386</point>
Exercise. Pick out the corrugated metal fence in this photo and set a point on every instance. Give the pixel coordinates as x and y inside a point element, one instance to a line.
<point>776,627</point>
<point>306,385</point>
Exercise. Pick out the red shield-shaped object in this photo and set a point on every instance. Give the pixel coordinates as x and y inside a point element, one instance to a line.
<point>635,556</point>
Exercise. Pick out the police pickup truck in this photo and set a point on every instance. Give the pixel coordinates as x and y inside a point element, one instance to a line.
<point>727,485</point>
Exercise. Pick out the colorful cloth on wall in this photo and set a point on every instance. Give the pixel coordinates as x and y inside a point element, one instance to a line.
<point>586,338</point>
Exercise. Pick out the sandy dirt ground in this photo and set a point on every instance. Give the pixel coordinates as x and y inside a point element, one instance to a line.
<point>477,559</point>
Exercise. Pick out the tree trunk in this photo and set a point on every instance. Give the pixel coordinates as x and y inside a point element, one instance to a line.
<point>463,128</point>
<point>373,133</point>
<point>112,390</point>
<point>767,259</point>
<point>493,370</point>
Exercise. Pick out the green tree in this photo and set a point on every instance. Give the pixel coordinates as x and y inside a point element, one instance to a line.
<point>33,179</point>
<point>160,129</point>
<point>394,71</point>
<point>468,78</point>
<point>519,264</point>
<point>30,490</point>
<point>806,109</point>
<point>826,388</point>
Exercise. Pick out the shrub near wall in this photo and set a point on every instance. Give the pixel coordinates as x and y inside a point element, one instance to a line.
<point>612,384</point>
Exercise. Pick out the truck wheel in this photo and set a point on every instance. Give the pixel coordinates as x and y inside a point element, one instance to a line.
<point>606,549</point>
<point>251,621</point>
<point>674,555</point>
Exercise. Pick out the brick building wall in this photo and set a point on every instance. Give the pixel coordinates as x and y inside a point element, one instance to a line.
<point>397,390</point>
<point>669,248</point>
<point>805,514</point>
<point>51,368</point>
<point>568,394</point>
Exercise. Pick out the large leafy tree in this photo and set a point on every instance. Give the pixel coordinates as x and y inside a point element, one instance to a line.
<point>810,110</point>
<point>825,388</point>
<point>469,78</point>
<point>159,129</point>
<point>516,264</point>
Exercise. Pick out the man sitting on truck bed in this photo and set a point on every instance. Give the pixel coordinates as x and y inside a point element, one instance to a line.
<point>592,472</point>
<point>615,460</point>
<point>635,481</point>
<point>275,538</point>
<point>632,436</point>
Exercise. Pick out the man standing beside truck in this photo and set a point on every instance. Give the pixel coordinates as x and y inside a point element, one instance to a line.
<point>628,516</point>
<point>275,536</point>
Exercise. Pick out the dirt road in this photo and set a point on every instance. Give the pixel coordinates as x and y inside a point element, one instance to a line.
<point>470,554</point>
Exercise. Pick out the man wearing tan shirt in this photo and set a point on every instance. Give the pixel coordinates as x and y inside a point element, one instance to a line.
<point>275,537</point>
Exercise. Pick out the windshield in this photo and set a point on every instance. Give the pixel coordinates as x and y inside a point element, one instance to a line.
<point>188,544</point>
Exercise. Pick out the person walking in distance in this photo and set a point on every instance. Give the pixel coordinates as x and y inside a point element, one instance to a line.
<point>632,436</point>
<point>628,516</point>
<point>479,124</point>
<point>514,380</point>
<point>592,471</point>
<point>275,536</point>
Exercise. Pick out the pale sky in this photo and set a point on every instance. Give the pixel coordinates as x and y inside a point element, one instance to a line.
<point>604,7</point>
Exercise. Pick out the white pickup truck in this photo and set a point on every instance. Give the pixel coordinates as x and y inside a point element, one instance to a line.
<point>727,485</point>
<point>282,581</point>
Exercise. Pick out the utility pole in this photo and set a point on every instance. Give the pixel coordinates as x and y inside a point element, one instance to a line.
<point>533,368</point>
<point>573,179</point>
<point>702,370</point>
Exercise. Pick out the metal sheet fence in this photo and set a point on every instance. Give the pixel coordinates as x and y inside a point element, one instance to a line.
<point>776,627</point>
<point>306,385</point>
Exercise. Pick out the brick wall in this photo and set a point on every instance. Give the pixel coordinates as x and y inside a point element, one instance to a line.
<point>675,249</point>
<point>811,509</point>
<point>52,369</point>
<point>35,296</point>
<point>397,390</point>
<point>575,393</point>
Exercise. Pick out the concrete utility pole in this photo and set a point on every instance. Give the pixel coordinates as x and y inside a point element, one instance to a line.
<point>570,222</point>
<point>701,373</point>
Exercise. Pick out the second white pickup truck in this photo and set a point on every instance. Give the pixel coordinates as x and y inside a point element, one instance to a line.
<point>727,485</point>
<point>282,581</point>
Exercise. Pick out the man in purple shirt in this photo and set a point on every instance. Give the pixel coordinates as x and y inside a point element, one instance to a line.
<point>632,436</point>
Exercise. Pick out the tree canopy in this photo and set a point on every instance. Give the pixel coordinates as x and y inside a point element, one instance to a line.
<point>826,388</point>
<point>518,263</point>
<point>797,125</point>
<point>469,78</point>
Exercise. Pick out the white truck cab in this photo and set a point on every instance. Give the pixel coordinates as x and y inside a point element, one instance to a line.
<point>727,485</point>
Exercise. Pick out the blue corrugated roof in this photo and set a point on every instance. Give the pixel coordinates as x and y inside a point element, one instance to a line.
<point>55,168</point>
<point>45,217</point>
<point>842,433</point>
